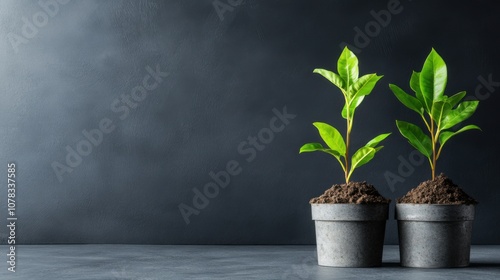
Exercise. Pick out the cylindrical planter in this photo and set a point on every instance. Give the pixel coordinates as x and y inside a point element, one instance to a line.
<point>350,235</point>
<point>434,235</point>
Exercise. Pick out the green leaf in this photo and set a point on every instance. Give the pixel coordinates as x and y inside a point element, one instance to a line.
<point>347,67</point>
<point>332,77</point>
<point>415,82</point>
<point>407,100</point>
<point>446,135</point>
<point>375,141</point>
<point>358,91</point>
<point>440,110</point>
<point>463,111</point>
<point>361,157</point>
<point>415,86</point>
<point>416,137</point>
<point>364,85</point>
<point>332,137</point>
<point>311,147</point>
<point>354,104</point>
<point>453,100</point>
<point>433,77</point>
<point>317,147</point>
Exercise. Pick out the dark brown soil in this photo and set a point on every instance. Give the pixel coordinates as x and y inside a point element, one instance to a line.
<point>440,190</point>
<point>354,192</point>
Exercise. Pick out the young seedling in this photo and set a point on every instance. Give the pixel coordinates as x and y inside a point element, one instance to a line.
<point>439,112</point>
<point>354,90</point>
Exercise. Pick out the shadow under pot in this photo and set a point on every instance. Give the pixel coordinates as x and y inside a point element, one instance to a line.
<point>434,235</point>
<point>350,235</point>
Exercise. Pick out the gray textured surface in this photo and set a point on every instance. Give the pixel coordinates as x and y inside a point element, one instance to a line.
<point>226,76</point>
<point>350,235</point>
<point>222,262</point>
<point>435,235</point>
<point>434,212</point>
<point>349,212</point>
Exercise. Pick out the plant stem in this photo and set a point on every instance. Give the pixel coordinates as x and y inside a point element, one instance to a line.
<point>348,132</point>
<point>439,152</point>
<point>426,124</point>
<point>433,140</point>
<point>348,136</point>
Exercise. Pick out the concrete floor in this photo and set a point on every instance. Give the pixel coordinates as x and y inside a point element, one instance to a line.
<point>220,262</point>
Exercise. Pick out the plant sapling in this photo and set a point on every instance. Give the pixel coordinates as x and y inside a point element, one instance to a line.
<point>354,89</point>
<point>439,112</point>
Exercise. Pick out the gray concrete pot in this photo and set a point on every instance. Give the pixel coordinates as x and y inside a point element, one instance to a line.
<point>350,235</point>
<point>434,235</point>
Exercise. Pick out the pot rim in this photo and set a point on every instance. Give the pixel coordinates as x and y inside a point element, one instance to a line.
<point>349,212</point>
<point>434,212</point>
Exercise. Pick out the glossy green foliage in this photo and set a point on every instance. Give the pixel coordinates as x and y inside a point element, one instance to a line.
<point>439,112</point>
<point>354,90</point>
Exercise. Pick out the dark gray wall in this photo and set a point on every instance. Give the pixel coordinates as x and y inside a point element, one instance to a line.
<point>227,73</point>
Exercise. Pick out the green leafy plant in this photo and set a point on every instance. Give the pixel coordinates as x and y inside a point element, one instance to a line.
<point>354,89</point>
<point>439,112</point>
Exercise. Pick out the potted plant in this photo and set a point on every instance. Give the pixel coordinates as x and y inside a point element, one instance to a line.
<point>350,217</point>
<point>435,218</point>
